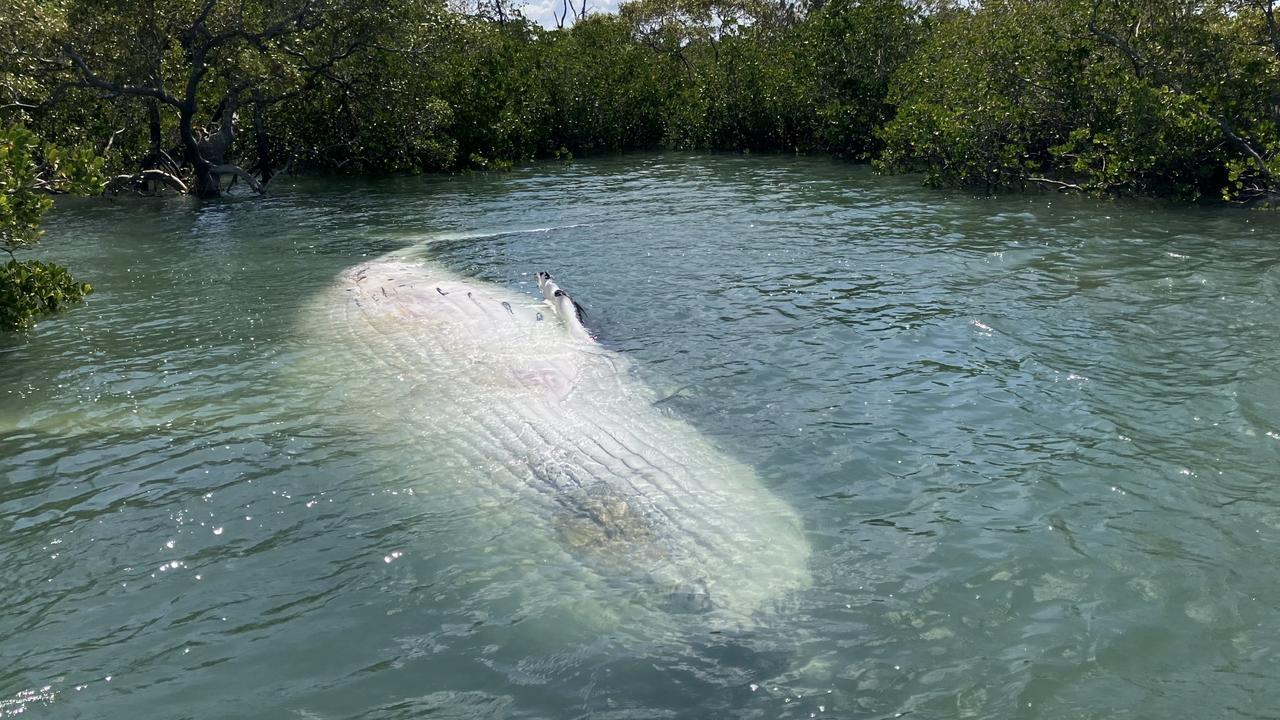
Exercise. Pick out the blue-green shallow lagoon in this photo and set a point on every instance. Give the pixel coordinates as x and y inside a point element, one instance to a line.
<point>1035,442</point>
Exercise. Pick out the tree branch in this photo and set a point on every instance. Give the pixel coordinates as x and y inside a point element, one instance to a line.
<point>297,21</point>
<point>204,13</point>
<point>229,169</point>
<point>1163,78</point>
<point>91,79</point>
<point>169,179</point>
<point>1061,186</point>
<point>110,141</point>
<point>1268,10</point>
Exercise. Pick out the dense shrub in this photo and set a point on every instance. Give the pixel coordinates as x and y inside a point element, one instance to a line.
<point>1108,96</point>
<point>28,171</point>
<point>1117,99</point>
<point>30,289</point>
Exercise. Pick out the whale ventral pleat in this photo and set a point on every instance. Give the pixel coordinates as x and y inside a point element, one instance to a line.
<point>639,507</point>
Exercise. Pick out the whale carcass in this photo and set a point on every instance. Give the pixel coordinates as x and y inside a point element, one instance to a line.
<point>513,396</point>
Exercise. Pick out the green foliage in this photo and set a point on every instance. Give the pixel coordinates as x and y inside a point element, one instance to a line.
<point>604,91</point>
<point>988,95</point>
<point>30,289</point>
<point>408,86</point>
<point>372,110</point>
<point>1115,98</point>
<point>1107,96</point>
<point>500,108</point>
<point>28,172</point>
<point>21,205</point>
<point>854,49</point>
<point>746,94</point>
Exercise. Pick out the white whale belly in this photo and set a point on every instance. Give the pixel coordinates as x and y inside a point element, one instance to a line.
<point>544,422</point>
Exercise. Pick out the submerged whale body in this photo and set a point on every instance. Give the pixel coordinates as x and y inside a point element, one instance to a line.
<point>523,407</point>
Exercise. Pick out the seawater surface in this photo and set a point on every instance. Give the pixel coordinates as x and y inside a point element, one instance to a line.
<point>1034,441</point>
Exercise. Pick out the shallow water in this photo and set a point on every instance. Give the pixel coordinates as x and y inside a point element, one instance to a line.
<point>1034,442</point>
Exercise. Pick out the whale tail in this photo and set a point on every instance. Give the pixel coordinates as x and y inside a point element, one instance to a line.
<point>570,312</point>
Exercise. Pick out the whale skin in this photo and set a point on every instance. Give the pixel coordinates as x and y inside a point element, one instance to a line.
<point>513,401</point>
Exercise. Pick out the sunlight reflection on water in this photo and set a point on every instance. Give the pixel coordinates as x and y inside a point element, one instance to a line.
<point>1032,440</point>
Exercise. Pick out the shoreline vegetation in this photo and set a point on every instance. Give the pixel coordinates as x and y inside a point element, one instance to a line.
<point>1108,97</point>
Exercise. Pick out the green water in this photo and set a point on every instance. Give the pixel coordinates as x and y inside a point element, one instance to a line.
<point>1033,441</point>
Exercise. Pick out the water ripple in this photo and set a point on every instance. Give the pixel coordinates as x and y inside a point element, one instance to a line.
<point>1033,440</point>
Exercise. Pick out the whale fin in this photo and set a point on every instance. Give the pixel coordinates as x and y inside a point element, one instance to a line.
<point>578,311</point>
<point>569,310</point>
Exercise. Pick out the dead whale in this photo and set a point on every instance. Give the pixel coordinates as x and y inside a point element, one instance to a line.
<point>514,396</point>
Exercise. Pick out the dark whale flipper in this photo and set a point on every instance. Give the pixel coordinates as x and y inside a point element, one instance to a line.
<point>578,310</point>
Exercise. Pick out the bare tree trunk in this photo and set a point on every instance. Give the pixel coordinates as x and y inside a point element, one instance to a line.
<point>153,123</point>
<point>265,170</point>
<point>210,154</point>
<point>206,182</point>
<point>200,44</point>
<point>1269,12</point>
<point>155,157</point>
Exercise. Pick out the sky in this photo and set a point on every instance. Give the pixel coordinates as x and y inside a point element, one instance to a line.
<point>543,12</point>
